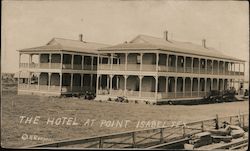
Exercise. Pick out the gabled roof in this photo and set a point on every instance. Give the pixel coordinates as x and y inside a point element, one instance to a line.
<point>144,42</point>
<point>68,45</point>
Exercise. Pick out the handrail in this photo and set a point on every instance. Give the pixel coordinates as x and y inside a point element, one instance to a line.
<point>123,134</point>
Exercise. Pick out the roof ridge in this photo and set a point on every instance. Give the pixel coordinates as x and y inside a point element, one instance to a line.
<point>81,41</point>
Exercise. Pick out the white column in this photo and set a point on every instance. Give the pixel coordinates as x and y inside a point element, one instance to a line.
<point>223,87</point>
<point>192,64</point>
<point>212,66</point>
<point>243,68</point>
<point>156,87</point>
<point>175,87</point>
<point>167,85</point>
<point>108,82</point>
<point>92,62</point>
<point>19,60</point>
<point>61,60</point>
<point>231,66</point>
<point>126,61</point>
<point>49,76</point>
<point>97,83</point>
<point>191,79</point>
<point>176,63</point>
<point>206,66</point>
<point>212,83</point>
<point>239,69</point>
<point>141,54</point>
<point>167,61</point>
<point>205,89</point>
<point>98,60</point>
<point>82,81</point>
<point>184,65</point>
<point>183,85</point>
<point>29,60</point>
<point>234,68</point>
<point>111,57</point>
<point>224,68</point>
<point>198,86</point>
<point>38,80</point>
<point>50,60</point>
<point>117,82</point>
<point>125,85</point>
<point>72,61</point>
<point>39,60</point>
<point>91,81</point>
<point>218,72</point>
<point>199,60</point>
<point>218,81</point>
<point>71,82</point>
<point>18,80</point>
<point>140,87</point>
<point>111,83</point>
<point>157,61</point>
<point>83,62</point>
<point>60,81</point>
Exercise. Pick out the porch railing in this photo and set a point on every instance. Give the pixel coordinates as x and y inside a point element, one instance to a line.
<point>55,65</point>
<point>163,68</point>
<point>87,67</point>
<point>147,94</point>
<point>133,67</point>
<point>118,67</point>
<point>44,65</point>
<point>148,67</point>
<point>132,93</point>
<point>77,66</point>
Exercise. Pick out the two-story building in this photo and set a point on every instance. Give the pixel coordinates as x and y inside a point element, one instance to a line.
<point>62,66</point>
<point>158,69</point>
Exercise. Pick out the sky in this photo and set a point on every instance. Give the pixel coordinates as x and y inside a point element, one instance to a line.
<point>25,24</point>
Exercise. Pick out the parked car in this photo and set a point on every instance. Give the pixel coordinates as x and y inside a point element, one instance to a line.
<point>121,99</point>
<point>89,95</point>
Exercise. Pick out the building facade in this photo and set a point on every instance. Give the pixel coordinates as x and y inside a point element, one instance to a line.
<point>158,69</point>
<point>62,67</point>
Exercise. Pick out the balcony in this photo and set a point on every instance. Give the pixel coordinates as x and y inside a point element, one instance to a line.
<point>118,67</point>
<point>35,87</point>
<point>188,70</point>
<point>148,67</point>
<point>55,65</point>
<point>171,69</point>
<point>203,71</point>
<point>147,94</point>
<point>162,68</point>
<point>133,67</point>
<point>77,67</point>
<point>180,69</point>
<point>152,95</point>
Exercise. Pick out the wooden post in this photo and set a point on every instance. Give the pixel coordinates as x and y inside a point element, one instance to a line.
<point>100,143</point>
<point>217,122</point>
<point>133,140</point>
<point>202,126</point>
<point>183,131</point>
<point>243,121</point>
<point>161,135</point>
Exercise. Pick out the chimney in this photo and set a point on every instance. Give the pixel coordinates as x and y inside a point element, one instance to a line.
<point>166,35</point>
<point>204,43</point>
<point>80,37</point>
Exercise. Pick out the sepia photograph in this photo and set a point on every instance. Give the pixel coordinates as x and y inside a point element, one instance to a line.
<point>125,74</point>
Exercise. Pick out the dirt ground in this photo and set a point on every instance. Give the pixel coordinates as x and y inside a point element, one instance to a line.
<point>79,110</point>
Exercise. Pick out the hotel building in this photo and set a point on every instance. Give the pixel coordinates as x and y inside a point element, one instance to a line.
<point>62,67</point>
<point>158,69</point>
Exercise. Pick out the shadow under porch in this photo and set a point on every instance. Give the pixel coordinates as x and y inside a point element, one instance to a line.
<point>55,84</point>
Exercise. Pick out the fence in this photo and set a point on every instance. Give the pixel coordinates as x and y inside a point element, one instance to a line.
<point>149,137</point>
